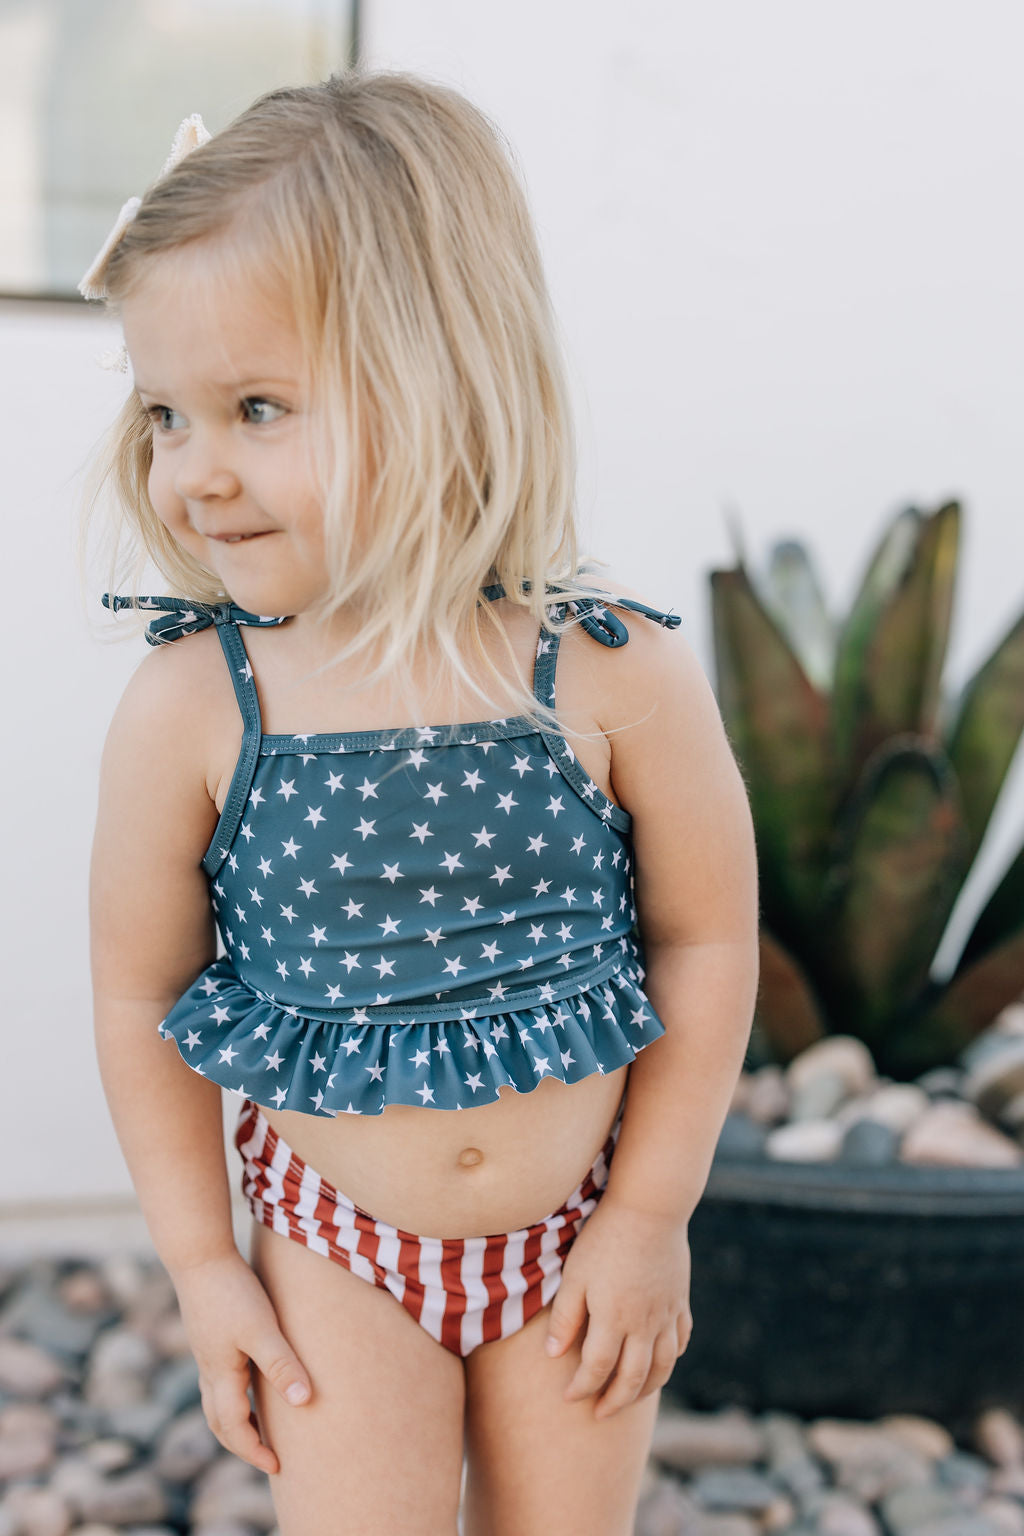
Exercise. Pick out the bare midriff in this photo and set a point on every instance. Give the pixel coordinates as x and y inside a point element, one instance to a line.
<point>462,1173</point>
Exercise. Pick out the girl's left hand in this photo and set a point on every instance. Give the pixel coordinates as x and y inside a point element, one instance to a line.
<point>627,1277</point>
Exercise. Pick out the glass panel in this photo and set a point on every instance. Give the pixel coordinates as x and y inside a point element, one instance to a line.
<point>91,97</point>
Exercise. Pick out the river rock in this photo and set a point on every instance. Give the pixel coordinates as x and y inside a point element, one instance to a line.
<point>865,1458</point>
<point>998,1435</point>
<point>109,1455</point>
<point>833,1513</point>
<point>767,1100</point>
<point>186,1447</point>
<point>685,1440</point>
<point>230,1490</point>
<point>998,1078</point>
<point>926,1436</point>
<point>127,1498</point>
<point>818,1096</point>
<point>26,1370</point>
<point>38,1313</point>
<point>867,1143</point>
<point>735,1488</point>
<point>805,1141</point>
<point>119,1368</point>
<point>843,1055</point>
<point>664,1509</point>
<point>962,1470</point>
<point>942,1082</point>
<point>952,1134</point>
<point>1006,1514</point>
<point>789,1462</point>
<point>897,1105</point>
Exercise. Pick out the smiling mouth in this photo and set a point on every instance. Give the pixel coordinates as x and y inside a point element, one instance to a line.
<point>237,538</point>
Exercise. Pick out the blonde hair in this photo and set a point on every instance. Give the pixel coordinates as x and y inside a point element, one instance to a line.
<point>388,208</point>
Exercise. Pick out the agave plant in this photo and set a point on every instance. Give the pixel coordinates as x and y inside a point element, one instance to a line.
<point>870,791</point>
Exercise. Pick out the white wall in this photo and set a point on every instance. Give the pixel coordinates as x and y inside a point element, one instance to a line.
<point>785,243</point>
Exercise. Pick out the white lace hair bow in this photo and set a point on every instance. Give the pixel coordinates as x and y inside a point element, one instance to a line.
<point>191,133</point>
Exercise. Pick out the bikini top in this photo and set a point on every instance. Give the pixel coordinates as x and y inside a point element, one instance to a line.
<point>418,915</point>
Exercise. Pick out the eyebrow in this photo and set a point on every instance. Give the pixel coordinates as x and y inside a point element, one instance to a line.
<point>228,387</point>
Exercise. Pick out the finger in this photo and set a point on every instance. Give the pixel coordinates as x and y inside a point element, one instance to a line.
<point>663,1362</point>
<point>598,1358</point>
<point>275,1359</point>
<point>568,1314</point>
<point>684,1328</point>
<point>234,1423</point>
<point>632,1371</point>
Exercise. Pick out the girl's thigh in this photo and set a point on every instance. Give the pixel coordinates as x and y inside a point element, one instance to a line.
<point>537,1463</point>
<point>378,1447</point>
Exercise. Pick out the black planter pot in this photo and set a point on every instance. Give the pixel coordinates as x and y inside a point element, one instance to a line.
<point>827,1289</point>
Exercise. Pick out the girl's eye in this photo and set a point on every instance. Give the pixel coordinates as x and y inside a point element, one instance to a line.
<point>165,418</point>
<point>258,411</point>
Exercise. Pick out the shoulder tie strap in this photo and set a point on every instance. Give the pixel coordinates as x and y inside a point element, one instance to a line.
<point>182,616</point>
<point>595,613</point>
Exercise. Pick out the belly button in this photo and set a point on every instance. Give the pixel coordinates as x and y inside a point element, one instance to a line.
<point>469,1157</point>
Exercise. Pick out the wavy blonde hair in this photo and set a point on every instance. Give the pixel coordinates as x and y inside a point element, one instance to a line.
<point>389,210</point>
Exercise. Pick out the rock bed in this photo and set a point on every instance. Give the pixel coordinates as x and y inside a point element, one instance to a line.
<point>829,1105</point>
<point>101,1434</point>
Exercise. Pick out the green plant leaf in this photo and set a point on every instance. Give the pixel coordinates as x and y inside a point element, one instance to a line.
<point>984,736</point>
<point>777,724</point>
<point>898,866</point>
<point>891,650</point>
<point>792,594</point>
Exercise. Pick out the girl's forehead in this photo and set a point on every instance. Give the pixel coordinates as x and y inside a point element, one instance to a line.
<point>188,308</point>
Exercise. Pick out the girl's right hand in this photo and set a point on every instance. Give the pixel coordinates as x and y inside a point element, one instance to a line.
<point>230,1320</point>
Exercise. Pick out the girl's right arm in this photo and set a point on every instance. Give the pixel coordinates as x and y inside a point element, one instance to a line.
<point>152,932</point>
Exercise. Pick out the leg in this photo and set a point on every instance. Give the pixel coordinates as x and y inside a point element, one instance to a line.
<point>536,1463</point>
<point>378,1448</point>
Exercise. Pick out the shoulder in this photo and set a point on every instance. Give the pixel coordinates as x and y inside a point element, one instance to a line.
<point>162,721</point>
<point>655,674</point>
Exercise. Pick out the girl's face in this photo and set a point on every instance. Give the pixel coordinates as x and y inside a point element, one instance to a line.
<point>218,367</point>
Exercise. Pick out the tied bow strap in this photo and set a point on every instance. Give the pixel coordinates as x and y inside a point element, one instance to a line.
<point>594,613</point>
<point>181,616</point>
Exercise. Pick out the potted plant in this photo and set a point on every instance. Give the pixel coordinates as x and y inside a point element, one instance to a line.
<point>859,1282</point>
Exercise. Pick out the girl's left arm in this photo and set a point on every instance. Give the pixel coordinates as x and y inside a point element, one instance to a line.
<point>697,908</point>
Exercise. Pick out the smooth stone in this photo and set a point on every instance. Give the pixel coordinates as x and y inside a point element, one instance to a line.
<point>941,1082</point>
<point>845,1055</point>
<point>994,1082</point>
<point>1008,1480</point>
<point>26,1370</point>
<point>185,1447</point>
<point>25,1453</point>
<point>953,1135</point>
<point>768,1096</point>
<point>82,1290</point>
<point>865,1459</point>
<point>999,1436</point>
<point>835,1514</point>
<point>36,1313</point>
<point>142,1423</point>
<point>109,1455</point>
<point>1011,1019</point>
<point>909,1511</point>
<point>726,1525</point>
<point>818,1097</point>
<point>38,1511</point>
<point>868,1144</point>
<point>962,1469</point>
<point>733,1488</point>
<point>897,1105</point>
<point>987,1048</point>
<point>685,1440</point>
<point>124,1499</point>
<point>805,1141</point>
<point>119,1368</point>
<point>789,1462</point>
<point>665,1510</point>
<point>1006,1514</point>
<point>740,1137</point>
<point>919,1433</point>
<point>232,1491</point>
<point>176,1384</point>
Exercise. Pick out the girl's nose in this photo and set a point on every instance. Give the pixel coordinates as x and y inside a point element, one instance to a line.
<point>202,471</point>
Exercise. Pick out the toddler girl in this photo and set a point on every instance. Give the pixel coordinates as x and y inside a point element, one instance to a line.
<point>447,946</point>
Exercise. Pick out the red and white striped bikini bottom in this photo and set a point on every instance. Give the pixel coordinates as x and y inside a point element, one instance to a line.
<point>464,1291</point>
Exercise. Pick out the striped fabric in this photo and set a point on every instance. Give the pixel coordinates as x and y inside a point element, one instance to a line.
<point>463,1291</point>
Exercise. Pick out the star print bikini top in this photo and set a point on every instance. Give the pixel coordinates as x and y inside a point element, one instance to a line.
<point>417,916</point>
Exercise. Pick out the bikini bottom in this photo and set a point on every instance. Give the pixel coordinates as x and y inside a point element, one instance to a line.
<point>464,1291</point>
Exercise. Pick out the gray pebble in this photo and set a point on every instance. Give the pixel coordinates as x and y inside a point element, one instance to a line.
<point>818,1096</point>
<point>176,1383</point>
<point>35,1312</point>
<point>127,1498</point>
<point>868,1144</point>
<point>186,1447</point>
<point>733,1488</point>
<point>962,1469</point>
<point>942,1083</point>
<point>26,1370</point>
<point>141,1422</point>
